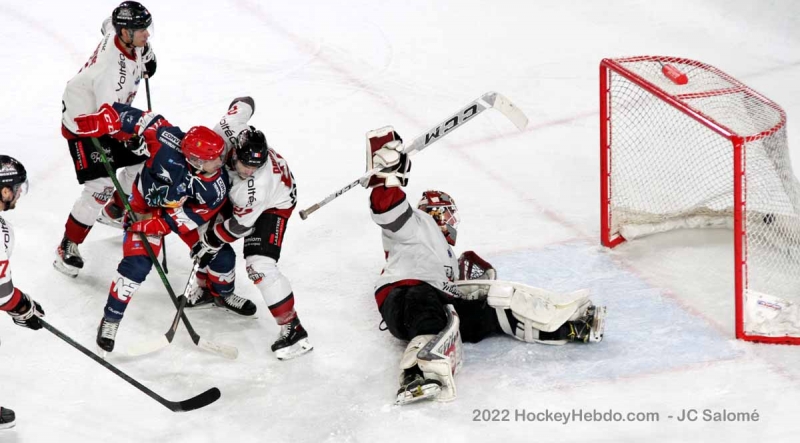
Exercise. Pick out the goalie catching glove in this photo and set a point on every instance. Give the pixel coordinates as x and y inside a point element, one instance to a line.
<point>385,151</point>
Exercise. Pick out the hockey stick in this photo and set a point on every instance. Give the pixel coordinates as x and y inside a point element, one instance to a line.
<point>164,341</point>
<point>490,100</point>
<point>196,402</point>
<point>150,108</point>
<point>223,350</point>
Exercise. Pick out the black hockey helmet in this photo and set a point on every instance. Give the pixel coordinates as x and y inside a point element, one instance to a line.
<point>252,147</point>
<point>13,175</point>
<point>131,15</point>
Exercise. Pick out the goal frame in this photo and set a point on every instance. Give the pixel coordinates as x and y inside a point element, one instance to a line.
<point>739,173</point>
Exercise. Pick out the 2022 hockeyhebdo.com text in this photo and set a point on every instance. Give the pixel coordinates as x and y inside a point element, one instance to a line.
<point>593,415</point>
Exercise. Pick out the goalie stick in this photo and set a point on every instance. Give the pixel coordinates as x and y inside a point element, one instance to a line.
<point>219,349</point>
<point>196,402</point>
<point>490,100</point>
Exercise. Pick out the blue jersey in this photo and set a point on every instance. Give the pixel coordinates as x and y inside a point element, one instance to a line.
<point>167,180</point>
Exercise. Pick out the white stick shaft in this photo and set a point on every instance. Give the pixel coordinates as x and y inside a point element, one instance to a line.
<point>490,100</point>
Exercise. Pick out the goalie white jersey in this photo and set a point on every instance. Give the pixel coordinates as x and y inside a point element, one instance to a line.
<point>109,76</point>
<point>414,245</point>
<point>6,247</point>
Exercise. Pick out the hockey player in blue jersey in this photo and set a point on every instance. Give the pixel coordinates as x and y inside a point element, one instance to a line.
<point>180,188</point>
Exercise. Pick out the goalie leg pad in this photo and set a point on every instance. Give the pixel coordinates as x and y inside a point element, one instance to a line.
<point>532,309</point>
<point>442,357</point>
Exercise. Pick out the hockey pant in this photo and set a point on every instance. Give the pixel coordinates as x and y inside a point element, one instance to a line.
<point>95,194</point>
<point>136,265</point>
<point>410,311</point>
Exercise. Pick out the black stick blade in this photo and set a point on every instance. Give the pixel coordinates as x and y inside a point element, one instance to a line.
<point>197,402</point>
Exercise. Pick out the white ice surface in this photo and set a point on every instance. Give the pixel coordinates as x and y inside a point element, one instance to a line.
<point>322,74</point>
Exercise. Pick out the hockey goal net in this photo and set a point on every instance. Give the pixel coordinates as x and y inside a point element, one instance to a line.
<point>684,145</point>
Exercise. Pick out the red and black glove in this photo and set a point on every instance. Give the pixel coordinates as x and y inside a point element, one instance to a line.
<point>104,121</point>
<point>155,225</point>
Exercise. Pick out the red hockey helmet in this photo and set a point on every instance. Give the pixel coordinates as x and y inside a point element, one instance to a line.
<point>443,209</point>
<point>201,145</point>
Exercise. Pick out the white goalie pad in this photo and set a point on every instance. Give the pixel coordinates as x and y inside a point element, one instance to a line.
<point>442,357</point>
<point>538,309</point>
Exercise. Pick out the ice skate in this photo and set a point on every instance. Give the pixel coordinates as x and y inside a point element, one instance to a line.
<point>68,258</point>
<point>292,341</point>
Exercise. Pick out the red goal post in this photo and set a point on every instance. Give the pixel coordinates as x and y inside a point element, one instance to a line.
<point>685,145</point>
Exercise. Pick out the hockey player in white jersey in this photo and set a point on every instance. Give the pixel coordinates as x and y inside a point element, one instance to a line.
<point>263,195</point>
<point>427,296</point>
<point>23,309</point>
<point>111,75</point>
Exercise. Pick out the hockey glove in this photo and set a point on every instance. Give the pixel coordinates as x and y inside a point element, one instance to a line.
<point>104,121</point>
<point>396,165</point>
<point>149,59</point>
<point>137,145</point>
<point>27,312</point>
<point>206,248</point>
<point>152,226</point>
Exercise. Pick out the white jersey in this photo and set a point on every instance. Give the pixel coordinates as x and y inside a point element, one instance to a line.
<point>6,247</point>
<point>110,76</point>
<point>270,188</point>
<point>416,249</point>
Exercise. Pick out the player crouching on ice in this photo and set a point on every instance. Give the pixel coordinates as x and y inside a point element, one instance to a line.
<point>180,188</point>
<point>263,195</point>
<point>421,301</point>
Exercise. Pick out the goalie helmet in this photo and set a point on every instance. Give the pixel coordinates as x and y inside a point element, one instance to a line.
<point>131,15</point>
<point>442,208</point>
<point>252,147</point>
<point>201,145</point>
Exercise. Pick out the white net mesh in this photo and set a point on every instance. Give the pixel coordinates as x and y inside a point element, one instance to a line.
<point>666,169</point>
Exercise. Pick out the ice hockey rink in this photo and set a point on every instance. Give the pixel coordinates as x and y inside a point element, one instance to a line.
<point>322,74</point>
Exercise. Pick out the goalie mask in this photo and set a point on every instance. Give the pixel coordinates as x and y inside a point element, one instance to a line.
<point>442,208</point>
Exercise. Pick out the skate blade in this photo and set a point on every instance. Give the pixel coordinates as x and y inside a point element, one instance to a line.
<point>419,393</point>
<point>100,352</point>
<point>8,425</point>
<point>598,325</point>
<point>295,350</point>
<point>114,223</point>
<point>69,271</point>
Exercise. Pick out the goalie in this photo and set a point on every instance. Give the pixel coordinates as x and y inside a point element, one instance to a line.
<point>423,300</point>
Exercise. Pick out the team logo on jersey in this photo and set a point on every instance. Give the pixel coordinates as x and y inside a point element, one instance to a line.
<point>156,196</point>
<point>165,175</point>
<point>448,271</point>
